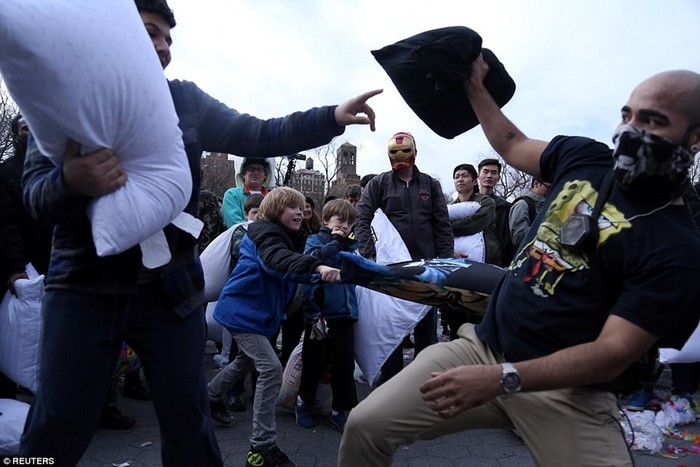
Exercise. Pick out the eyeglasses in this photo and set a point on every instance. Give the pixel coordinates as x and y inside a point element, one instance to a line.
<point>255,169</point>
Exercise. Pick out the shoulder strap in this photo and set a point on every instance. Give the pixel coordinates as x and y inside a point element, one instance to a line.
<point>531,206</point>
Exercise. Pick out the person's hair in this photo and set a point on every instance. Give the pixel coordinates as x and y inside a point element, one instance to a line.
<point>365,180</point>
<point>253,201</point>
<point>274,203</point>
<point>495,162</point>
<point>352,191</point>
<point>310,200</point>
<point>338,207</point>
<point>468,167</point>
<point>247,162</point>
<point>328,199</point>
<point>159,7</point>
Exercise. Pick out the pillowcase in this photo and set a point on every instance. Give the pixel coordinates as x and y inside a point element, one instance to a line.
<point>87,70</point>
<point>428,70</point>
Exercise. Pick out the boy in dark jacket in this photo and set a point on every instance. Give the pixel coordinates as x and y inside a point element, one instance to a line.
<point>332,342</point>
<point>251,307</point>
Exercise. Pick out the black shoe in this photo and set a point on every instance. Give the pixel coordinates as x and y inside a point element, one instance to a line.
<point>219,412</point>
<point>267,456</point>
<point>136,392</point>
<point>235,403</point>
<point>113,419</point>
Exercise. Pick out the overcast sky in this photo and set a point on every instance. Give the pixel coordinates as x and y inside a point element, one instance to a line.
<point>574,62</point>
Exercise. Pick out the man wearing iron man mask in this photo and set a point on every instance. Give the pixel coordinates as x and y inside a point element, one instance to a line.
<point>414,203</point>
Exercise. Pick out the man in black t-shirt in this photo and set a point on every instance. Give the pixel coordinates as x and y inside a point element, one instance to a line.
<point>569,316</point>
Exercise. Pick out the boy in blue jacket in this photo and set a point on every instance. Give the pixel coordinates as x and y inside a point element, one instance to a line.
<point>251,305</point>
<point>329,335</point>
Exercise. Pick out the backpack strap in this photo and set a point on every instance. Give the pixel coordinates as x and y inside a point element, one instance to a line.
<point>531,207</point>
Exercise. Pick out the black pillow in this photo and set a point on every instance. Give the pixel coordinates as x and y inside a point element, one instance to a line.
<point>428,70</point>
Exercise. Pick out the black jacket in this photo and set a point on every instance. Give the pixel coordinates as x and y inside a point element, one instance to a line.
<point>417,209</point>
<point>22,239</point>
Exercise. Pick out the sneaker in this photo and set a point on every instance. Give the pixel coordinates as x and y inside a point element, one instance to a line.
<point>267,456</point>
<point>235,403</point>
<point>219,412</point>
<point>112,418</point>
<point>338,420</point>
<point>639,400</point>
<point>303,413</point>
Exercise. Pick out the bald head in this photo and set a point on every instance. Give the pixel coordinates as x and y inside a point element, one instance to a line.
<point>668,105</point>
<point>681,86</point>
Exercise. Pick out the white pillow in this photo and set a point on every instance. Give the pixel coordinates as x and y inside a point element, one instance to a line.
<point>87,70</point>
<point>20,330</point>
<point>13,416</point>
<point>462,210</point>
<point>690,353</point>
<point>216,263</point>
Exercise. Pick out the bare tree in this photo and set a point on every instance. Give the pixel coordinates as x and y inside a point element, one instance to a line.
<point>8,110</point>
<point>327,158</point>
<point>281,169</point>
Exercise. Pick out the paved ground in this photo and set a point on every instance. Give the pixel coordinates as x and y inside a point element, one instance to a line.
<point>140,446</point>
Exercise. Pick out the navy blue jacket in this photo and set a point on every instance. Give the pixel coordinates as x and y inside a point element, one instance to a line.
<point>333,300</point>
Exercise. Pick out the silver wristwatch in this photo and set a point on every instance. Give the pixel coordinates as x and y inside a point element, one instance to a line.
<point>510,380</point>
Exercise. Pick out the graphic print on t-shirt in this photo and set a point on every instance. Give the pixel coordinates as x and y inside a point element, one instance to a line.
<point>551,260</point>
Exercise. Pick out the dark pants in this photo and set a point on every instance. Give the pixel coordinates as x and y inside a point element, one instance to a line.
<point>338,350</point>
<point>425,334</point>
<point>81,340</point>
<point>685,378</point>
<point>292,329</point>
<point>8,388</point>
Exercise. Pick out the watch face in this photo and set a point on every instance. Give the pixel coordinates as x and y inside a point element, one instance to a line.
<point>511,382</point>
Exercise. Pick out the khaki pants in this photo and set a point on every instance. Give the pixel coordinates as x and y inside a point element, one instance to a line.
<point>567,427</point>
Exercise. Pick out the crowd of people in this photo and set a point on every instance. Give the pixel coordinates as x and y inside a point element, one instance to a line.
<point>591,249</point>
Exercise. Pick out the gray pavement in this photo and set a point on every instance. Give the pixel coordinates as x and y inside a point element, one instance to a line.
<point>140,446</point>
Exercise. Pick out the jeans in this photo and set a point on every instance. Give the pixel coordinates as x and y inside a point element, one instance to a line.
<point>82,336</point>
<point>254,350</point>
